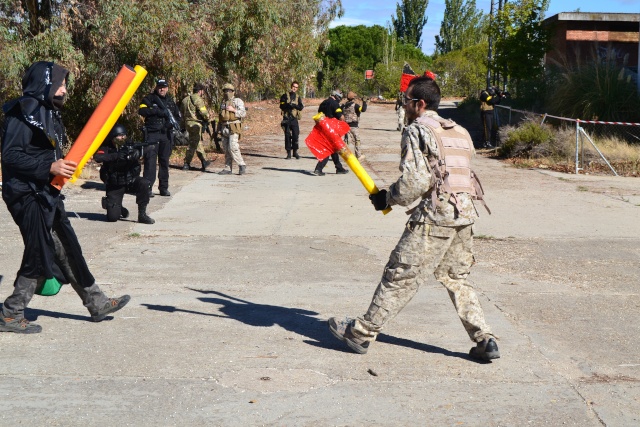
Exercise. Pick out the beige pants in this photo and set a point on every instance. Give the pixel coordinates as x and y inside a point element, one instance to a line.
<point>447,252</point>
<point>231,149</point>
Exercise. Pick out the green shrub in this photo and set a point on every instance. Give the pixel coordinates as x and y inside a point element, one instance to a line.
<point>528,140</point>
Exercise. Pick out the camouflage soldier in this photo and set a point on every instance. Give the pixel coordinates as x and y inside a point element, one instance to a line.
<point>351,114</point>
<point>196,117</point>
<point>438,237</point>
<point>231,113</point>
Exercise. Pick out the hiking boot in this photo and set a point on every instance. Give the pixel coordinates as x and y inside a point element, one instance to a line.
<point>112,306</point>
<point>19,326</point>
<point>486,350</point>
<point>295,154</point>
<point>225,172</point>
<point>186,167</point>
<point>243,170</point>
<point>165,193</point>
<point>318,173</point>
<point>288,154</point>
<point>342,330</point>
<point>205,164</point>
<point>341,171</point>
<point>124,212</point>
<point>104,202</point>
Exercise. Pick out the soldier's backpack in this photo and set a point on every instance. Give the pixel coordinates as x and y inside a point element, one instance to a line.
<point>452,168</point>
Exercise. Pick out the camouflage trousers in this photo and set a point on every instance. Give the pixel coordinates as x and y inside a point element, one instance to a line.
<point>447,252</point>
<point>231,148</point>
<point>195,142</point>
<point>353,136</point>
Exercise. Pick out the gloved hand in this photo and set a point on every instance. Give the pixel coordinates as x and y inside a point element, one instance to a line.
<point>123,154</point>
<point>135,154</point>
<point>365,99</point>
<point>379,200</point>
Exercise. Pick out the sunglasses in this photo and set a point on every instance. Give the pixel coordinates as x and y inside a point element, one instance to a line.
<point>406,100</point>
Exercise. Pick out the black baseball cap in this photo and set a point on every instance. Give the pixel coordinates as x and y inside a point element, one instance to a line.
<point>162,83</point>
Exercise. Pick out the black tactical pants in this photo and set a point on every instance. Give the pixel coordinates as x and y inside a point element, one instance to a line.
<point>158,152</point>
<point>291,134</point>
<point>115,193</point>
<point>336,161</point>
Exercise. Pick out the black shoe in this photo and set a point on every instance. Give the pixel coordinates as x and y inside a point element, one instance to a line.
<point>288,155</point>
<point>486,350</point>
<point>205,164</point>
<point>112,306</point>
<point>165,193</point>
<point>186,167</point>
<point>318,173</point>
<point>124,212</point>
<point>295,154</point>
<point>342,171</point>
<point>151,194</point>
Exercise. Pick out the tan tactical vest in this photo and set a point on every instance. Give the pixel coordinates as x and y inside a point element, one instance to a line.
<point>349,112</point>
<point>230,119</point>
<point>452,168</point>
<point>297,114</point>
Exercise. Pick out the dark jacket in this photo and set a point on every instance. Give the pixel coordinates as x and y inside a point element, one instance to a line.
<point>153,108</point>
<point>288,107</point>
<point>32,135</point>
<point>330,108</point>
<point>114,170</point>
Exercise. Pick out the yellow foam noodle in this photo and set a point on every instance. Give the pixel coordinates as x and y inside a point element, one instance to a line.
<point>354,164</point>
<point>141,73</point>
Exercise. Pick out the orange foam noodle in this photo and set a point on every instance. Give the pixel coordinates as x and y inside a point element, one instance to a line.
<point>98,120</point>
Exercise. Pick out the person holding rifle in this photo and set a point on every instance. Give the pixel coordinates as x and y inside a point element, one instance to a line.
<point>196,118</point>
<point>120,172</point>
<point>161,115</point>
<point>291,108</point>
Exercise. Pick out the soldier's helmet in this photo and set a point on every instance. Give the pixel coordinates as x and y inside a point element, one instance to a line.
<point>117,130</point>
<point>337,94</point>
<point>228,86</point>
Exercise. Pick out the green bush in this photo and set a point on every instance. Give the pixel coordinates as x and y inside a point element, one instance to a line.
<point>529,140</point>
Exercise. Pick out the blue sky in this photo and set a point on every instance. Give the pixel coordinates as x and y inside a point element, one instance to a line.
<point>372,12</point>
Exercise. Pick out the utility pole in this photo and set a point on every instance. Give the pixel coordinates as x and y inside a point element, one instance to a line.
<point>490,54</point>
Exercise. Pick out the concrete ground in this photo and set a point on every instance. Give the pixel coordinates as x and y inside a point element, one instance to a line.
<point>232,286</point>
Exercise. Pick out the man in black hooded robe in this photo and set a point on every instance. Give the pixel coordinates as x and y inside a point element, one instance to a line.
<point>32,137</point>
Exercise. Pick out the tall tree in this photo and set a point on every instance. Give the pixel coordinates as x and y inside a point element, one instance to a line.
<point>520,40</point>
<point>409,21</point>
<point>462,26</point>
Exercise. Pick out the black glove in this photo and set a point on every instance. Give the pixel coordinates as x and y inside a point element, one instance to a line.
<point>379,200</point>
<point>123,154</point>
<point>135,154</point>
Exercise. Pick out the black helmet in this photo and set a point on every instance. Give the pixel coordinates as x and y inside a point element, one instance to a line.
<point>118,129</point>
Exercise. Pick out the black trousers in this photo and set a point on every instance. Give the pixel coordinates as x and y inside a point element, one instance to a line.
<point>157,153</point>
<point>489,128</point>
<point>336,161</point>
<point>291,134</point>
<point>115,193</point>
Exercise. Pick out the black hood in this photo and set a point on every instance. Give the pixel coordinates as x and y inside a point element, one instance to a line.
<point>36,107</point>
<point>42,80</point>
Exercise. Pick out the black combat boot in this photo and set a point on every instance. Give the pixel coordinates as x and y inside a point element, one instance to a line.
<point>288,154</point>
<point>295,154</point>
<point>243,170</point>
<point>204,162</point>
<point>186,167</point>
<point>143,218</point>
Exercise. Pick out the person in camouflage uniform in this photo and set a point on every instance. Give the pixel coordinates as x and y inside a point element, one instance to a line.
<point>232,112</point>
<point>351,114</point>
<point>438,237</point>
<point>400,112</point>
<point>196,116</point>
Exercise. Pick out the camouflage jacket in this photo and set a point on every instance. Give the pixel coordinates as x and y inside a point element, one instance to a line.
<point>417,179</point>
<point>194,109</point>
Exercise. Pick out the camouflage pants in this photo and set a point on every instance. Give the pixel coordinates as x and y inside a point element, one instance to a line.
<point>353,136</point>
<point>423,249</point>
<point>195,142</point>
<point>231,149</point>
